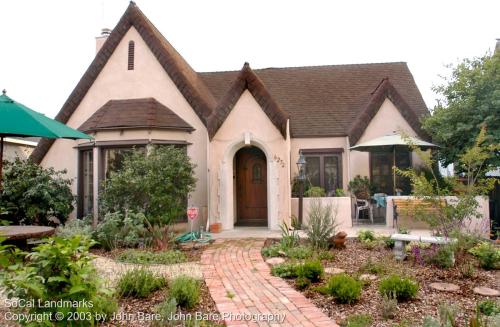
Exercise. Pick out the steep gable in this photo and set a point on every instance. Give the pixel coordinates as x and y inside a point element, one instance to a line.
<point>184,77</point>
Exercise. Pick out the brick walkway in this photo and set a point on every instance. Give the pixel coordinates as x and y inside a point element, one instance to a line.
<point>241,284</point>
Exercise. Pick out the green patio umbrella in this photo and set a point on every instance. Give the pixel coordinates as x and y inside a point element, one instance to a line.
<point>392,143</point>
<point>19,120</point>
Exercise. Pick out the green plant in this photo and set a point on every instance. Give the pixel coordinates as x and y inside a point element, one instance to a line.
<point>360,187</point>
<point>489,307</point>
<point>167,309</point>
<point>272,250</point>
<point>146,257</point>
<point>339,192</point>
<point>311,269</point>
<point>118,230</point>
<point>373,267</point>
<point>324,255</point>
<point>156,184</point>
<point>315,192</point>
<point>389,243</point>
<point>75,227</point>
<point>402,288</point>
<point>33,195</point>
<point>467,270</point>
<point>299,252</point>
<point>443,257</point>
<point>139,283</point>
<point>302,283</point>
<point>185,290</point>
<point>321,224</point>
<point>57,271</point>
<point>285,270</point>
<point>488,255</point>
<point>357,320</point>
<point>365,235</point>
<point>289,237</point>
<point>343,288</point>
<point>389,306</point>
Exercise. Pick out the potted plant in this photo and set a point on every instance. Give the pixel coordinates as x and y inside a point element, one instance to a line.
<point>215,227</point>
<point>360,187</point>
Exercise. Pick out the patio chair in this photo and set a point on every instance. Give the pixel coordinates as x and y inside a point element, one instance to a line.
<point>361,205</point>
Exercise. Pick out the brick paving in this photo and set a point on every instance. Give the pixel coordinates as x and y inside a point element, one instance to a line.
<point>242,287</point>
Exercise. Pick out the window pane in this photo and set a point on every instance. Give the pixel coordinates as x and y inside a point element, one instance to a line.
<point>312,171</point>
<point>381,171</point>
<point>403,162</point>
<point>113,158</point>
<point>87,182</point>
<point>331,173</point>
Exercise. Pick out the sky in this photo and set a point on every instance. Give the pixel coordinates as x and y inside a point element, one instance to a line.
<point>46,46</point>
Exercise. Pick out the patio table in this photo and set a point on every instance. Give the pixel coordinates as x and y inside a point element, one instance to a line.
<point>19,235</point>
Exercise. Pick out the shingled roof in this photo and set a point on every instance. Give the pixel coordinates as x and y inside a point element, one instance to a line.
<point>325,101</point>
<point>134,113</point>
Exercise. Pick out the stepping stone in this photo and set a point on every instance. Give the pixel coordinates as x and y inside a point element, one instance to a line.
<point>275,261</point>
<point>334,271</point>
<point>486,291</point>
<point>368,277</point>
<point>445,287</point>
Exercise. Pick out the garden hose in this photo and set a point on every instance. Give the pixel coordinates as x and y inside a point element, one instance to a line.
<point>200,237</point>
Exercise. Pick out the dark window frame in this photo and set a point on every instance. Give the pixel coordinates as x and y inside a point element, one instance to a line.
<point>322,153</point>
<point>389,153</point>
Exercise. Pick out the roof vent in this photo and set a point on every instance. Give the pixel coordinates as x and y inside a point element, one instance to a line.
<point>105,31</point>
<point>99,40</point>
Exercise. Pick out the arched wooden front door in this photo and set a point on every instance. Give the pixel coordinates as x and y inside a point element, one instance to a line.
<point>251,187</point>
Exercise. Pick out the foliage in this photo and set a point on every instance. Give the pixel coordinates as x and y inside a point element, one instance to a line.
<point>360,187</point>
<point>488,255</point>
<point>300,252</point>
<point>147,257</point>
<point>139,283</point>
<point>33,195</point>
<point>315,192</point>
<point>447,317</point>
<point>467,270</point>
<point>156,184</point>
<point>321,224</point>
<point>339,192</point>
<point>74,227</point>
<point>357,320</point>
<point>388,306</point>
<point>285,270</point>
<point>489,307</point>
<point>366,235</point>
<point>402,289</point>
<point>343,288</point>
<point>272,250</point>
<point>289,237</point>
<point>444,218</point>
<point>185,290</point>
<point>324,255</point>
<point>470,98</point>
<point>60,270</point>
<point>118,230</point>
<point>166,309</point>
<point>373,267</point>
<point>302,283</point>
<point>442,257</point>
<point>311,269</point>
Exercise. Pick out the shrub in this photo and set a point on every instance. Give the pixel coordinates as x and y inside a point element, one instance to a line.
<point>488,307</point>
<point>166,309</point>
<point>488,255</point>
<point>139,283</point>
<point>117,230</point>
<point>366,236</point>
<point>315,192</point>
<point>285,270</point>
<point>321,225</point>
<point>402,289</point>
<point>272,250</point>
<point>311,269</point>
<point>388,306</point>
<point>59,270</point>
<point>360,187</point>
<point>389,243</point>
<point>372,267</point>
<point>74,227</point>
<point>302,283</point>
<point>156,184</point>
<point>358,320</point>
<point>343,288</point>
<point>300,252</point>
<point>324,255</point>
<point>185,290</point>
<point>33,195</point>
<point>146,257</point>
<point>289,238</point>
<point>442,257</point>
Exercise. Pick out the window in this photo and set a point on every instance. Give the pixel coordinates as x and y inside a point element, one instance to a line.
<point>131,50</point>
<point>257,174</point>
<point>381,174</point>
<point>86,183</point>
<point>324,168</point>
<point>113,158</point>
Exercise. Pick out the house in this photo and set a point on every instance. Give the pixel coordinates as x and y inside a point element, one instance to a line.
<point>243,129</point>
<point>21,148</point>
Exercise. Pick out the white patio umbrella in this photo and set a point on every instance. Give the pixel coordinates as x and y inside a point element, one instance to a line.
<point>392,143</point>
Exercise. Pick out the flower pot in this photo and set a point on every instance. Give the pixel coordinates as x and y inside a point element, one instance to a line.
<point>215,228</point>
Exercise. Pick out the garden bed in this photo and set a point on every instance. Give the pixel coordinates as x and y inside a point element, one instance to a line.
<point>411,313</point>
<point>191,254</point>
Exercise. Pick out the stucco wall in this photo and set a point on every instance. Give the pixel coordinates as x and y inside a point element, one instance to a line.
<point>341,207</point>
<point>148,79</point>
<point>247,121</point>
<point>11,151</point>
<point>298,144</point>
<point>387,121</point>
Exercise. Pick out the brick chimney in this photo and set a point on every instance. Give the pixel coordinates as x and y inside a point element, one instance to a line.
<point>497,46</point>
<point>99,40</point>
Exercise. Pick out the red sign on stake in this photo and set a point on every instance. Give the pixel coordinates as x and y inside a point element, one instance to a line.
<point>192,213</point>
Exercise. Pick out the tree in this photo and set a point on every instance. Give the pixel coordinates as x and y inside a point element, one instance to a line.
<point>470,101</point>
<point>156,184</point>
<point>34,195</point>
